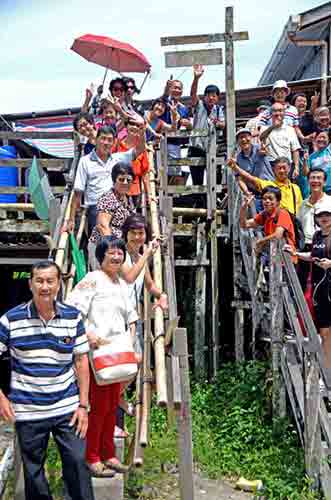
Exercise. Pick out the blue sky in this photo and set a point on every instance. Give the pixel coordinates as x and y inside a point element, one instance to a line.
<point>40,72</point>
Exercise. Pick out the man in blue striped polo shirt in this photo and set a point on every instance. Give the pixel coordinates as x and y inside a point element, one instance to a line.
<point>49,384</point>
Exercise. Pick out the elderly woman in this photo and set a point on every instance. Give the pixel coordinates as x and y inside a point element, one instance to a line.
<point>113,208</point>
<point>103,299</point>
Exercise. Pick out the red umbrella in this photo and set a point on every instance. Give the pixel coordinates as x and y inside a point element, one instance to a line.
<point>111,54</point>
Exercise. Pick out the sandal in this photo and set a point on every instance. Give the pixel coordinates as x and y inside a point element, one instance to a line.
<point>116,465</point>
<point>98,469</point>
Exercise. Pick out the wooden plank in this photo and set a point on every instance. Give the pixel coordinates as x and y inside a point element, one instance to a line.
<point>212,235</point>
<point>200,304</point>
<point>191,262</point>
<point>237,274</point>
<point>197,132</point>
<point>35,135</point>
<point>53,165</point>
<point>207,38</point>
<point>184,419</point>
<point>31,226</point>
<point>25,189</point>
<point>312,432</point>
<point>187,58</point>
<point>292,398</point>
<point>18,261</point>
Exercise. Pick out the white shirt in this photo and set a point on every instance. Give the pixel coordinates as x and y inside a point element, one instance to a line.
<point>306,216</point>
<point>104,304</point>
<point>282,141</point>
<point>136,288</point>
<point>93,176</point>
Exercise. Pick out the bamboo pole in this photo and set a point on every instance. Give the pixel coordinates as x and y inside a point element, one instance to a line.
<point>62,246</point>
<point>138,453</point>
<point>194,211</point>
<point>160,368</point>
<point>147,374</point>
<point>23,207</point>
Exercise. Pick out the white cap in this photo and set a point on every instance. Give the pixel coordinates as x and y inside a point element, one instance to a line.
<point>323,207</point>
<point>280,84</point>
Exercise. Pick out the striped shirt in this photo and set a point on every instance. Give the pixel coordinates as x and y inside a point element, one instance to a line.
<point>43,381</point>
<point>291,117</point>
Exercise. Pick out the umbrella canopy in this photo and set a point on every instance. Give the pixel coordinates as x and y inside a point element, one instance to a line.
<point>111,54</point>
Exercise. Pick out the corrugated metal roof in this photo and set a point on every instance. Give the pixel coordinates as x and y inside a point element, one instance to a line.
<point>289,62</point>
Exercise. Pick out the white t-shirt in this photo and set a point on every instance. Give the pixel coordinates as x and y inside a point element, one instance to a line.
<point>282,141</point>
<point>306,216</point>
<point>136,288</point>
<point>105,305</point>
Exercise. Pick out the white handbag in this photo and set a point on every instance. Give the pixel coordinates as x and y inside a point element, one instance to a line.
<point>114,361</point>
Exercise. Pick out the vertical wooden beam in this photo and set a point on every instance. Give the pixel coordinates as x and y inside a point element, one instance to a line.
<point>237,273</point>
<point>215,264</point>
<point>312,430</point>
<point>200,305</point>
<point>184,419</point>
<point>277,320</point>
<point>230,101</point>
<point>147,373</point>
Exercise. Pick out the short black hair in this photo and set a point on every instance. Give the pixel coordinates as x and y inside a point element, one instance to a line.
<point>106,130</point>
<point>118,80</point>
<point>106,243</point>
<point>317,169</point>
<point>272,189</point>
<point>212,89</point>
<point>84,114</point>
<point>159,100</point>
<point>121,168</point>
<point>133,222</point>
<point>45,264</point>
<point>282,159</point>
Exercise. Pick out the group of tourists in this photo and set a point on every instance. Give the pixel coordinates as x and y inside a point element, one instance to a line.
<point>283,167</point>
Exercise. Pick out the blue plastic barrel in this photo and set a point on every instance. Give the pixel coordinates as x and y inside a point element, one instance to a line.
<point>8,175</point>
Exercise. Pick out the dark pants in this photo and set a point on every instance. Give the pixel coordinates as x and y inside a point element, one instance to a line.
<point>91,218</point>
<point>33,439</point>
<point>197,172</point>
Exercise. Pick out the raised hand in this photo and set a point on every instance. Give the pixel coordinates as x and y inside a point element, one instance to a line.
<point>315,99</point>
<point>247,200</point>
<point>198,70</point>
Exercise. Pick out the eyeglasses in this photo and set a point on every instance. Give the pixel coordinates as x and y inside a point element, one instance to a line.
<point>123,180</point>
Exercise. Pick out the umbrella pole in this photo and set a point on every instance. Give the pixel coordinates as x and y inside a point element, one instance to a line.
<point>144,81</point>
<point>104,77</point>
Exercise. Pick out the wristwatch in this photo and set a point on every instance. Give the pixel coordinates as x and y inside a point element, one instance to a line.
<point>85,407</point>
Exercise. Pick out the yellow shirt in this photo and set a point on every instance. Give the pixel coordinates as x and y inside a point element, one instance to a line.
<point>287,200</point>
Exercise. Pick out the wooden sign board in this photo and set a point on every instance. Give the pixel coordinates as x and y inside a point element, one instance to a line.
<point>207,57</point>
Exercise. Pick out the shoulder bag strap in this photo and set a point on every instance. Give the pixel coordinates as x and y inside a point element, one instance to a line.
<point>294,200</point>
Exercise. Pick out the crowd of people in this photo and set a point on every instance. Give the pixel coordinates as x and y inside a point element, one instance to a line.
<point>282,166</point>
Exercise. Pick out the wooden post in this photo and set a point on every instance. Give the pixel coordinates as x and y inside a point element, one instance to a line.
<point>160,369</point>
<point>200,305</point>
<point>138,454</point>
<point>312,430</point>
<point>237,273</point>
<point>184,419</point>
<point>147,373</point>
<point>277,319</point>
<point>215,264</point>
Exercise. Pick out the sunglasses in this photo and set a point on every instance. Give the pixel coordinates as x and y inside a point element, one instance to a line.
<point>123,180</point>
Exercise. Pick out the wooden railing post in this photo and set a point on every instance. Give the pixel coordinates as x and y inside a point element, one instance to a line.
<point>277,324</point>
<point>312,429</point>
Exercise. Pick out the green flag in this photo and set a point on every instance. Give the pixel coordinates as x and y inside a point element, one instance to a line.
<point>78,259</point>
<point>40,190</point>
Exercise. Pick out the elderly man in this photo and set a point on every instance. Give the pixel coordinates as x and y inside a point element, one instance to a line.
<point>280,140</point>
<point>93,177</point>
<point>49,384</point>
<point>172,94</point>
<point>291,198</point>
<point>251,159</point>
